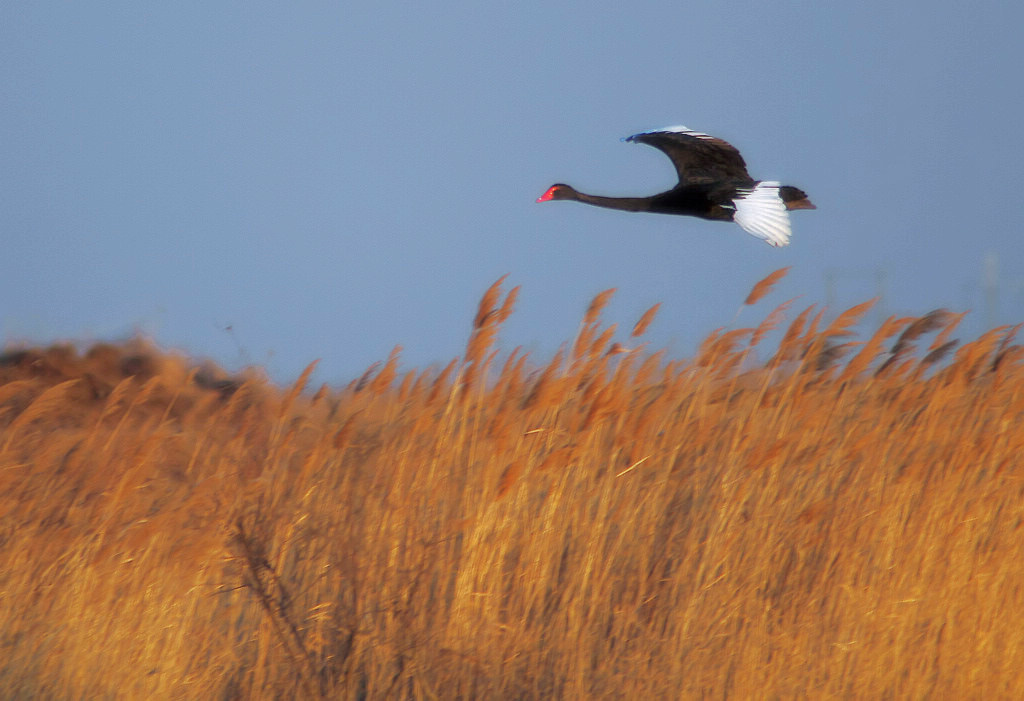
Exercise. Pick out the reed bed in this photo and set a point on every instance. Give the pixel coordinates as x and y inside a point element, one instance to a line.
<point>828,518</point>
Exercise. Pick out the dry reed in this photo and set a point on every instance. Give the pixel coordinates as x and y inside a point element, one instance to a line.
<point>764,286</point>
<point>602,525</point>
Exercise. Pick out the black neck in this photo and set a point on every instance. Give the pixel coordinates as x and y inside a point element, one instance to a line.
<point>629,204</point>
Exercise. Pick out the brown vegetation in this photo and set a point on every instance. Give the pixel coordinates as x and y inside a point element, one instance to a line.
<point>837,519</point>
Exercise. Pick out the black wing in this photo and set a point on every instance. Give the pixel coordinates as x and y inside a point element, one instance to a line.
<point>697,157</point>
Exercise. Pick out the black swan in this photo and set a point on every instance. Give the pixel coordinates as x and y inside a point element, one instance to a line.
<point>713,184</point>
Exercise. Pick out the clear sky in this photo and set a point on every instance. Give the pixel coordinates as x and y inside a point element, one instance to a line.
<point>267,183</point>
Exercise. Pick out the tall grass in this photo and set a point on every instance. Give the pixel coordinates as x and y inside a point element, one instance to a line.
<point>825,518</point>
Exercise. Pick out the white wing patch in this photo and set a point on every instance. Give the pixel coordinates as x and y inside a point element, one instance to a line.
<point>761,212</point>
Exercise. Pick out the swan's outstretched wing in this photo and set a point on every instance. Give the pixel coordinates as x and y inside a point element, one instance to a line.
<point>697,157</point>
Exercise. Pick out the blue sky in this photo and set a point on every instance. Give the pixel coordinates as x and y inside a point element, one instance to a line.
<point>266,184</point>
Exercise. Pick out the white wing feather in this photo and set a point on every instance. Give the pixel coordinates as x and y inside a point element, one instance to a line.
<point>680,129</point>
<point>761,212</point>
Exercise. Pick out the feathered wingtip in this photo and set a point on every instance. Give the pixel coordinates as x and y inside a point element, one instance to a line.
<point>677,129</point>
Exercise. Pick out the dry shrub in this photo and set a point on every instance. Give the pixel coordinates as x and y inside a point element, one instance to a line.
<point>604,525</point>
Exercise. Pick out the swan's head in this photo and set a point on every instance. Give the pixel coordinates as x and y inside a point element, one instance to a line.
<point>558,191</point>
